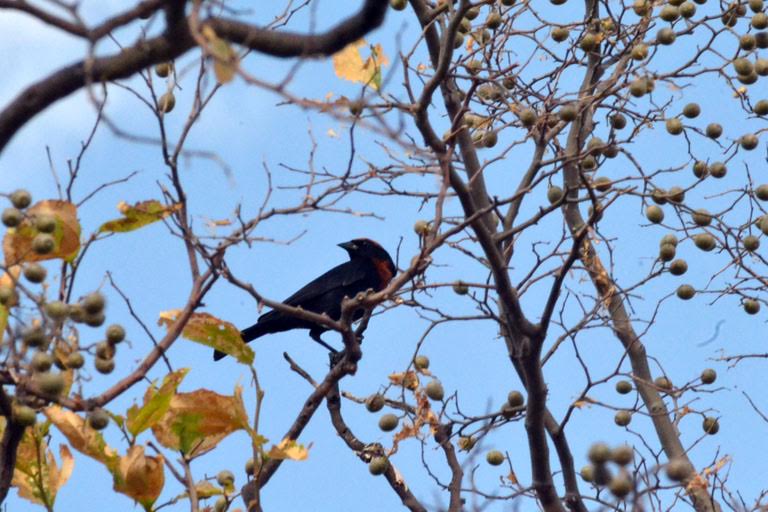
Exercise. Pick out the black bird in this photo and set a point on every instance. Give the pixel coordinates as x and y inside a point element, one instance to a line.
<point>369,266</point>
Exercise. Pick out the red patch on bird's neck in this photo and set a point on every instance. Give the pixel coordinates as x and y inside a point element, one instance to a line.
<point>385,273</point>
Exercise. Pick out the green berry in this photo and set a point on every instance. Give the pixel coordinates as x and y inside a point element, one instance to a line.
<point>34,272</point>
<point>23,416</point>
<point>115,334</point>
<point>678,469</point>
<point>708,376</point>
<point>599,453</point>
<point>751,243</point>
<point>622,455</point>
<point>554,194</point>
<point>515,399</point>
<point>718,170</point>
<point>701,217</point>
<point>163,69</point>
<point>421,227</point>
<point>668,239</point>
<point>104,366</point>
<point>95,320</point>
<point>466,443</point>
<point>166,102</point>
<point>654,214</point>
<point>56,310</point>
<point>76,313</point>
<point>34,337</point>
<point>710,425</point>
<point>618,121</point>
<point>388,422</point>
<point>678,267</point>
<point>713,130</point>
<point>620,485</point>
<point>751,306</point>
<point>45,223</point>
<point>435,390</point>
<point>225,478</point>
<point>98,419</point>
<point>50,383</point>
<point>43,243</point>
<point>460,288</point>
<point>105,350</point>
<point>663,383</point>
<point>705,241</point>
<point>75,360</point>
<point>560,34</point>
<point>12,217</point>
<point>749,141</point>
<point>378,465</point>
<point>93,303</point>
<point>41,361</point>
<point>494,458</point>
<point>623,387</point>
<point>623,418</point>
<point>375,403</point>
<point>21,199</point>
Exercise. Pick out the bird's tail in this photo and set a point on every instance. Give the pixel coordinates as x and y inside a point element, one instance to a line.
<point>248,334</point>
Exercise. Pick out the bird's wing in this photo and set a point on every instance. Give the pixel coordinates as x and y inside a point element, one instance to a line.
<point>341,276</point>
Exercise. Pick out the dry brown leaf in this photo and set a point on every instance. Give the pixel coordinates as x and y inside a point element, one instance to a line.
<point>82,437</point>
<point>140,476</point>
<point>409,379</point>
<point>17,243</point>
<point>195,422</point>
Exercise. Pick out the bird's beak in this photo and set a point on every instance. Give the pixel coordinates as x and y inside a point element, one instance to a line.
<point>349,246</point>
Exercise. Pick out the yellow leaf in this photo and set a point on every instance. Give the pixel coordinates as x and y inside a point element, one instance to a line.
<point>140,476</point>
<point>717,466</point>
<point>349,64</point>
<point>289,449</point>
<point>37,475</point>
<point>17,243</point>
<point>206,489</point>
<point>195,422</point>
<point>138,216</point>
<point>82,437</point>
<point>3,321</point>
<point>67,465</point>
<point>225,61</point>
<point>584,402</point>
<point>332,133</point>
<point>210,331</point>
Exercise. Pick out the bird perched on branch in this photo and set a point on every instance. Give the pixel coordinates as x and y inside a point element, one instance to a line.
<point>369,266</point>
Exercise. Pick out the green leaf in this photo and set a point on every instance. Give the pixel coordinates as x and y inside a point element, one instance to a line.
<point>138,216</point>
<point>156,403</point>
<point>212,332</point>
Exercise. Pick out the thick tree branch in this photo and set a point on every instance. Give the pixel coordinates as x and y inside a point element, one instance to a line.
<point>9,445</point>
<point>176,41</point>
<point>364,452</point>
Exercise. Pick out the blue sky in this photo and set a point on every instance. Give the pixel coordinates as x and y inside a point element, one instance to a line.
<point>247,127</point>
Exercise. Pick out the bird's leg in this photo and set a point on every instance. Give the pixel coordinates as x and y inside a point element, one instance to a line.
<point>315,335</point>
